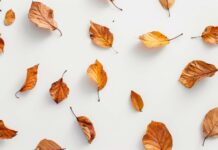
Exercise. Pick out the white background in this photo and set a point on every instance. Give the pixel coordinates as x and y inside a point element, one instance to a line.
<point>152,73</point>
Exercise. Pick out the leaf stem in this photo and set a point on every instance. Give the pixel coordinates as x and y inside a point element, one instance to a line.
<point>168,7</point>
<point>73,112</point>
<point>204,140</point>
<point>98,96</point>
<point>59,31</point>
<point>64,73</point>
<point>16,95</point>
<point>176,37</point>
<point>112,1</point>
<point>194,37</point>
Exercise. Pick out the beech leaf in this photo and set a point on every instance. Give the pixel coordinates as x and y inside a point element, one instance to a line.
<point>9,17</point>
<point>6,133</point>
<point>167,4</point>
<point>2,45</point>
<point>137,101</point>
<point>46,144</point>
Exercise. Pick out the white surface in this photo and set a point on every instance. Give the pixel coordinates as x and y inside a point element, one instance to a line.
<point>152,74</point>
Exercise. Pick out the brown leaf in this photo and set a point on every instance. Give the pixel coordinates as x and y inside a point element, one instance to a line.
<point>48,145</point>
<point>167,4</point>
<point>112,1</point>
<point>157,137</point>
<point>59,90</point>
<point>87,126</point>
<point>210,124</point>
<point>137,101</point>
<point>195,71</point>
<point>43,16</point>
<point>2,45</point>
<point>6,133</point>
<point>98,75</point>
<point>9,17</point>
<point>31,79</point>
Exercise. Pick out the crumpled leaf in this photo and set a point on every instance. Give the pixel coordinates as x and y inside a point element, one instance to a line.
<point>98,75</point>
<point>2,45</point>
<point>112,1</point>
<point>195,71</point>
<point>155,39</point>
<point>210,124</point>
<point>137,101</point>
<point>59,90</point>
<point>157,137</point>
<point>6,133</point>
<point>48,145</point>
<point>87,126</point>
<point>31,80</point>
<point>9,17</point>
<point>43,16</point>
<point>167,4</point>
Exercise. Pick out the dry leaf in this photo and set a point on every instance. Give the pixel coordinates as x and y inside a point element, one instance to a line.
<point>112,1</point>
<point>167,4</point>
<point>9,17</point>
<point>155,39</point>
<point>6,133</point>
<point>43,16</point>
<point>59,90</point>
<point>2,45</point>
<point>98,75</point>
<point>195,71</point>
<point>48,145</point>
<point>87,126</point>
<point>137,101</point>
<point>31,79</point>
<point>210,124</point>
<point>157,137</point>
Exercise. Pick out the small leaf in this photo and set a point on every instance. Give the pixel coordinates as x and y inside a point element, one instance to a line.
<point>31,79</point>
<point>59,90</point>
<point>195,71</point>
<point>48,145</point>
<point>6,133</point>
<point>167,4</point>
<point>9,17</point>
<point>2,45</point>
<point>137,101</point>
<point>157,137</point>
<point>87,127</point>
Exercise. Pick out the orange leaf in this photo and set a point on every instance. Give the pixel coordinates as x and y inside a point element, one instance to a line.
<point>6,133</point>
<point>137,101</point>
<point>9,17</point>
<point>48,145</point>
<point>2,45</point>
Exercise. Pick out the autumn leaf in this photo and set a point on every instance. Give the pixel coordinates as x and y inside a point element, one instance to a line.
<point>9,17</point>
<point>86,125</point>
<point>59,90</point>
<point>155,39</point>
<point>196,71</point>
<point>6,133</point>
<point>43,16</point>
<point>167,4</point>
<point>210,124</point>
<point>112,1</point>
<point>157,137</point>
<point>2,45</point>
<point>137,101</point>
<point>31,80</point>
<point>96,73</point>
<point>48,145</point>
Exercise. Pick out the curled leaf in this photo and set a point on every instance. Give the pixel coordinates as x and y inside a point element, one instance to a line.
<point>2,45</point>
<point>157,137</point>
<point>112,1</point>
<point>167,4</point>
<point>31,79</point>
<point>87,126</point>
<point>43,16</point>
<point>195,71</point>
<point>6,133</point>
<point>137,101</point>
<point>9,17</point>
<point>59,90</point>
<point>48,145</point>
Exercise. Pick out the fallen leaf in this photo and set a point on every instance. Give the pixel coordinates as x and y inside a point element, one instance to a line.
<point>195,71</point>
<point>210,124</point>
<point>6,133</point>
<point>43,16</point>
<point>31,80</point>
<point>2,45</point>
<point>157,137</point>
<point>112,1</point>
<point>98,75</point>
<point>86,125</point>
<point>9,17</point>
<point>155,39</point>
<point>59,90</point>
<point>48,145</point>
<point>137,101</point>
<point>167,4</point>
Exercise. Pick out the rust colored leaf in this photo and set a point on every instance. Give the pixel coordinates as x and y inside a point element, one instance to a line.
<point>195,71</point>
<point>31,79</point>
<point>87,126</point>
<point>137,101</point>
<point>43,16</point>
<point>48,145</point>
<point>167,4</point>
<point>9,17</point>
<point>98,75</point>
<point>112,1</point>
<point>59,90</point>
<point>6,133</point>
<point>157,137</point>
<point>2,45</point>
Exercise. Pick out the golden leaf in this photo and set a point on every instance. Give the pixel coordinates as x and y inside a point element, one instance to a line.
<point>2,45</point>
<point>48,145</point>
<point>59,90</point>
<point>157,137</point>
<point>195,71</point>
<point>86,125</point>
<point>167,4</point>
<point>6,133</point>
<point>137,101</point>
<point>43,16</point>
<point>9,17</point>
<point>31,79</point>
